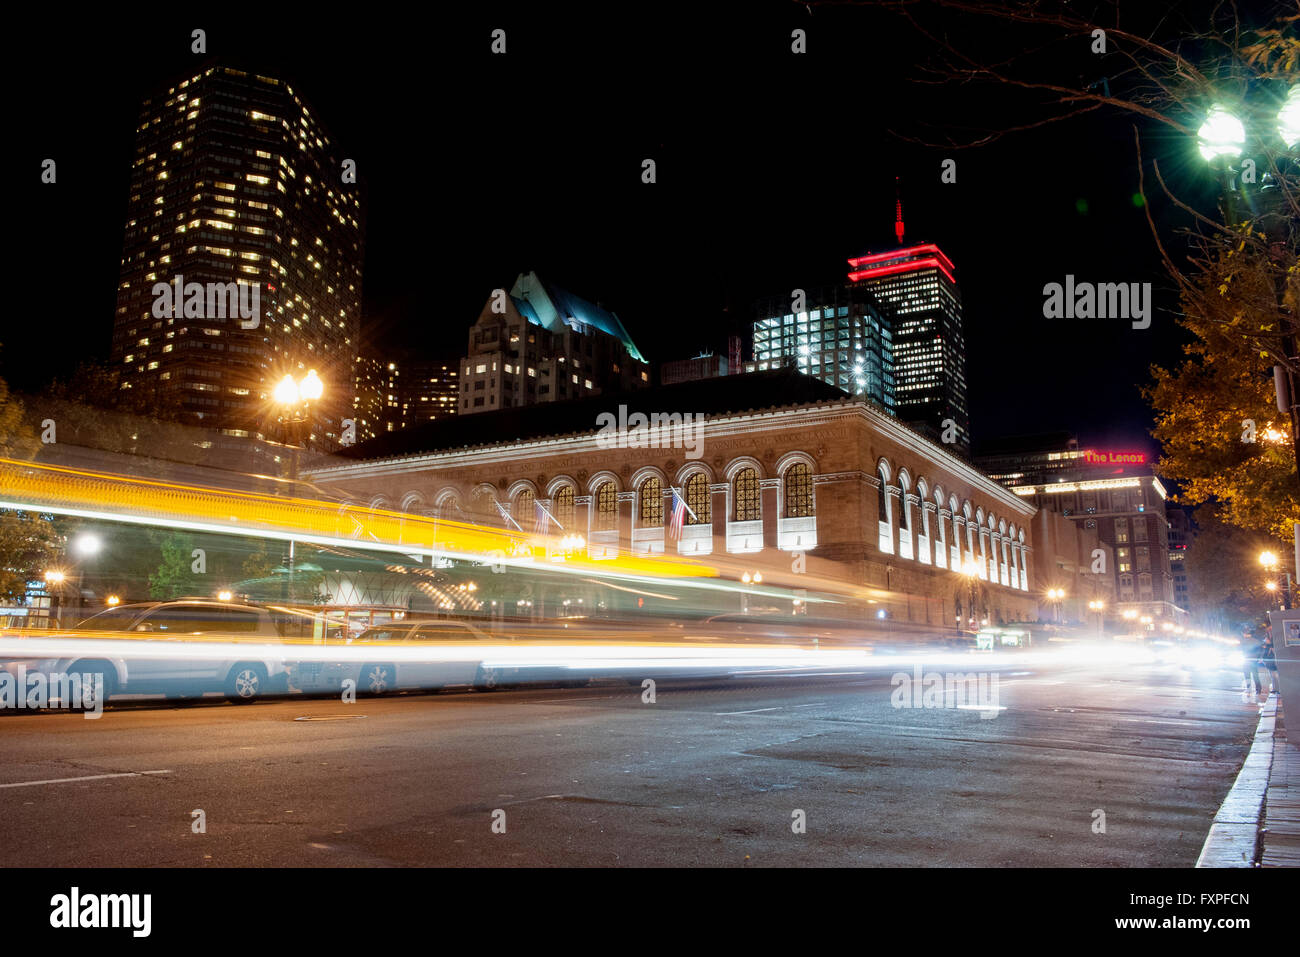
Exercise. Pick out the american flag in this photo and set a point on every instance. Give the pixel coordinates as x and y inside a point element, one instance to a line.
<point>542,517</point>
<point>506,515</point>
<point>678,517</point>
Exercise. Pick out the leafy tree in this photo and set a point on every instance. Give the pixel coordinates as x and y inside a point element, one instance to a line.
<point>175,576</point>
<point>258,564</point>
<point>29,546</point>
<point>17,439</point>
<point>1222,437</point>
<point>1223,571</point>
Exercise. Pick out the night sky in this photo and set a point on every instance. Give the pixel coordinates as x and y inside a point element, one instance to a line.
<point>772,170</point>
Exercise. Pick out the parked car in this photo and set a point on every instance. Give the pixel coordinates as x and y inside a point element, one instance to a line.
<point>152,668</point>
<point>380,670</point>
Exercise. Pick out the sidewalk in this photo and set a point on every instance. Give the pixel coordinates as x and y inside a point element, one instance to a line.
<point>1280,825</point>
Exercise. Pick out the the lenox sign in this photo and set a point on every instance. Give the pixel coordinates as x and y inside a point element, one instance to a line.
<point>1114,458</point>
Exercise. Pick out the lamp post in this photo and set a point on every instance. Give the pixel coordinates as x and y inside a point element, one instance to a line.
<point>1221,140</point>
<point>971,571</point>
<point>1270,561</point>
<point>755,578</point>
<point>1098,607</point>
<point>294,399</point>
<point>1056,596</point>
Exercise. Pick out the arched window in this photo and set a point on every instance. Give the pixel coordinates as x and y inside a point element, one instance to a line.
<point>562,506</point>
<point>606,507</point>
<point>523,508</point>
<point>481,502</point>
<point>956,535</point>
<point>798,491</point>
<point>885,523</point>
<point>970,535</point>
<point>652,503</point>
<point>903,488</point>
<point>941,540</point>
<point>923,541</point>
<point>745,491</point>
<point>697,500</point>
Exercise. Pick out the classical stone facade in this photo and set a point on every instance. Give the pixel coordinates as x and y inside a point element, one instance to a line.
<point>832,490</point>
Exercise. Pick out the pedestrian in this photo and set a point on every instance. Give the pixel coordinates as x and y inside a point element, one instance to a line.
<point>1250,652</point>
<point>1269,661</point>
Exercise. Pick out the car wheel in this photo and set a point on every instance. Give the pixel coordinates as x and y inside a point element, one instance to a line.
<point>247,682</point>
<point>488,679</point>
<point>376,679</point>
<point>87,672</point>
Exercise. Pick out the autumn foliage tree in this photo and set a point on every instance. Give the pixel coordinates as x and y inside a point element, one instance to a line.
<point>1221,434</point>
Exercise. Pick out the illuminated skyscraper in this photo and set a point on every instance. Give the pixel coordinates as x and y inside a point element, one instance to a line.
<point>843,337</point>
<point>916,285</point>
<point>237,189</point>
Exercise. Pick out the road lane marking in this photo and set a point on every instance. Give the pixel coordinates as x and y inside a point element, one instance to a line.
<point>329,717</point>
<point>755,711</point>
<point>89,777</point>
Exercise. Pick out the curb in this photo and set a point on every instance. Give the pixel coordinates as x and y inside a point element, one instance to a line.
<point>1233,840</point>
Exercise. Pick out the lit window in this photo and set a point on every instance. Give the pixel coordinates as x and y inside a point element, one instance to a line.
<point>652,503</point>
<point>606,507</point>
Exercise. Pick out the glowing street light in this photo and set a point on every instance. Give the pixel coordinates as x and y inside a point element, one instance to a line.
<point>54,577</point>
<point>1288,119</point>
<point>113,601</point>
<point>1221,135</point>
<point>1268,559</point>
<point>312,388</point>
<point>286,392</point>
<point>87,544</point>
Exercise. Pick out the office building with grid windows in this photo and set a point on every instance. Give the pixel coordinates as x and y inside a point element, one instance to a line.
<point>842,338</point>
<point>236,186</point>
<point>918,289</point>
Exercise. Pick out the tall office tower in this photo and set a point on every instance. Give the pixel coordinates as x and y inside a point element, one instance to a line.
<point>916,284</point>
<point>430,388</point>
<point>843,338</point>
<point>369,396</point>
<point>542,343</point>
<point>242,257</point>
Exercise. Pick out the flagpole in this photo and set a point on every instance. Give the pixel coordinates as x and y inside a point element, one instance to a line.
<point>682,497</point>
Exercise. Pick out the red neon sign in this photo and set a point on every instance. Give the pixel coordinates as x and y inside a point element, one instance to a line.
<point>1114,458</point>
<point>877,272</point>
<point>859,261</point>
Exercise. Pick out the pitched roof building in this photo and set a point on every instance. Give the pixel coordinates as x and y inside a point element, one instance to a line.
<point>540,343</point>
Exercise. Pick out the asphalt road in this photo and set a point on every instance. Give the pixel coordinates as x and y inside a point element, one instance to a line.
<point>709,774</point>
